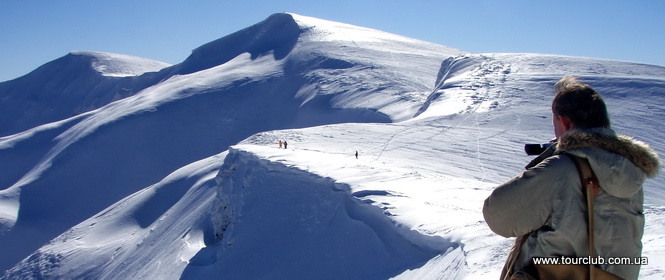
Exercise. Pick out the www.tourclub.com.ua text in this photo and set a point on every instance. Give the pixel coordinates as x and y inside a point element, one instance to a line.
<point>592,260</point>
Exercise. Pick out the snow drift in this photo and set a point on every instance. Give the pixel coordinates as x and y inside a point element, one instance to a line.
<point>436,129</point>
<point>281,222</point>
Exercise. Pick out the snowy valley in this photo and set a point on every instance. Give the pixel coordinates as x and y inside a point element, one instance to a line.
<point>117,167</point>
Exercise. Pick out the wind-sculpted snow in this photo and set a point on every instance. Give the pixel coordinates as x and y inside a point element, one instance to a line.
<point>473,82</point>
<point>277,36</point>
<point>92,193</point>
<point>273,220</point>
<point>81,166</point>
<point>71,85</point>
<point>267,219</point>
<point>119,65</point>
<point>150,234</point>
<point>521,85</point>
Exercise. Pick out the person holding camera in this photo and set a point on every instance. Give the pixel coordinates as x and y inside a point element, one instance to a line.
<point>546,206</point>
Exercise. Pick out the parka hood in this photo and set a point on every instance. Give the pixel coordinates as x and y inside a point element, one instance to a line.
<point>621,163</point>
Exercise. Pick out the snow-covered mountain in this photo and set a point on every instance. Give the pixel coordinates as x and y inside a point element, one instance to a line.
<point>73,84</point>
<point>155,171</point>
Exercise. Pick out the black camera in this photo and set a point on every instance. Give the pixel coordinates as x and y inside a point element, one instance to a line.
<point>536,149</point>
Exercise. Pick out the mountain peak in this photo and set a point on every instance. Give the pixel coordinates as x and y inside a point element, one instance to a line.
<point>75,83</point>
<point>281,32</point>
<point>119,65</point>
<point>96,196</point>
<point>278,33</point>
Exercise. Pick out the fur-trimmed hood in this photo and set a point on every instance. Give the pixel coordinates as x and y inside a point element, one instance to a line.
<point>547,204</point>
<point>620,162</point>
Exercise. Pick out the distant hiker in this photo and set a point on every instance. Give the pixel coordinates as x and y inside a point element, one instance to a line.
<point>280,144</point>
<point>356,154</point>
<point>285,144</point>
<point>546,209</point>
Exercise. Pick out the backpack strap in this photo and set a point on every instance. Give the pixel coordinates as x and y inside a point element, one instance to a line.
<point>591,188</point>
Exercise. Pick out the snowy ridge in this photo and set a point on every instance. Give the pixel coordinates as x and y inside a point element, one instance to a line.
<point>182,177</point>
<point>120,65</point>
<point>466,83</point>
<point>232,101</point>
<point>73,84</point>
<point>276,35</point>
<point>405,61</point>
<point>314,223</point>
<point>145,235</point>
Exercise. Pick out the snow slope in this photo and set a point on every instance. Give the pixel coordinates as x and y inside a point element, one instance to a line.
<point>431,148</point>
<point>64,172</point>
<point>73,84</point>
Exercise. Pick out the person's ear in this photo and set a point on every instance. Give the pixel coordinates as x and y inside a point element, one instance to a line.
<point>566,123</point>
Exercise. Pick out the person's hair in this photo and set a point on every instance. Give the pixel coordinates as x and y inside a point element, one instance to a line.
<point>579,102</point>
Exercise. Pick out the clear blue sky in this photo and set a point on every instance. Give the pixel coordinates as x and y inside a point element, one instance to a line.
<point>35,32</point>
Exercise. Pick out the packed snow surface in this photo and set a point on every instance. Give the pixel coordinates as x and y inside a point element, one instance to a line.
<point>183,177</point>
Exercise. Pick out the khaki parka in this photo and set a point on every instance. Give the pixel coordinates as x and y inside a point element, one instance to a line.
<point>546,201</point>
